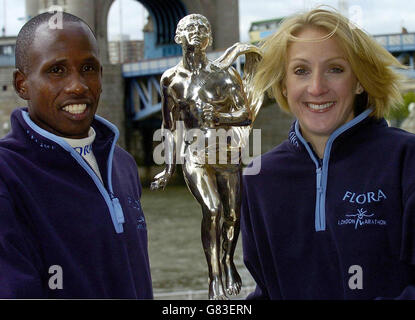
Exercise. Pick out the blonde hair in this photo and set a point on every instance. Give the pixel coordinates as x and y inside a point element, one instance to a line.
<point>369,61</point>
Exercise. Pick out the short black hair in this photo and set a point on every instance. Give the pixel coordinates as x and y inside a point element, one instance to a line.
<point>27,34</point>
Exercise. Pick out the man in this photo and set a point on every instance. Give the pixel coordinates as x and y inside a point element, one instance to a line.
<point>71,223</point>
<point>207,96</point>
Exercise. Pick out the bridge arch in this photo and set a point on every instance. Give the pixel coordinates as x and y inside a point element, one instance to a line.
<point>223,16</point>
<point>160,29</point>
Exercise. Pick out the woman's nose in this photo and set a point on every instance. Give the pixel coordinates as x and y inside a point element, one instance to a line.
<point>318,84</point>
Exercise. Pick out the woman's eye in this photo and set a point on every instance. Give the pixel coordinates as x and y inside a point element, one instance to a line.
<point>336,70</point>
<point>300,71</point>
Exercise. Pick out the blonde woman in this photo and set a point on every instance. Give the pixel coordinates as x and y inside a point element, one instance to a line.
<point>332,213</point>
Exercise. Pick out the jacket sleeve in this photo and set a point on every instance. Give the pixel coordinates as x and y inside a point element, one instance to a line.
<point>250,252</point>
<point>19,278</point>
<point>407,254</point>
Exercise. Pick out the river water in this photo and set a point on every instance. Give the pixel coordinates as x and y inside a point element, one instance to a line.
<point>177,261</point>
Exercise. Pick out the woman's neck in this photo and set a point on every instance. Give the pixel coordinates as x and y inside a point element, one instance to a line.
<point>318,143</point>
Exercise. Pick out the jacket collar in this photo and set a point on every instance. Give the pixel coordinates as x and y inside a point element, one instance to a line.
<point>24,128</point>
<point>298,142</point>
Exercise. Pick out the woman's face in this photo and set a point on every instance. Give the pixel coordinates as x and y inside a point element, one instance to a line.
<point>320,85</point>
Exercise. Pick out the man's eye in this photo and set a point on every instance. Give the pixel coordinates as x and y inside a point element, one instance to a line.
<point>88,68</point>
<point>57,70</point>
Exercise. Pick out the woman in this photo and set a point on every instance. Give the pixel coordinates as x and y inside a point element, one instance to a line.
<point>332,213</point>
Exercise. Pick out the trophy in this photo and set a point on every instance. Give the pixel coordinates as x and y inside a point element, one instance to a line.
<point>201,98</point>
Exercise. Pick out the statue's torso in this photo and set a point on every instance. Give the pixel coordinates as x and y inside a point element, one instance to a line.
<point>193,91</point>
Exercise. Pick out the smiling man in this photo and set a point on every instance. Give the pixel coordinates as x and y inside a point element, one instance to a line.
<point>62,83</point>
<point>71,223</point>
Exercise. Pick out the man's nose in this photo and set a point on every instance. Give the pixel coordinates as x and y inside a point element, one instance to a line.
<point>318,84</point>
<point>76,85</point>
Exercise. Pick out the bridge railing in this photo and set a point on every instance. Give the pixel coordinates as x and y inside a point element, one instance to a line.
<point>158,66</point>
<point>397,42</point>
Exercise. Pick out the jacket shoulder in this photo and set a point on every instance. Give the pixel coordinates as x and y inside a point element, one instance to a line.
<point>270,161</point>
<point>397,137</point>
<point>124,156</point>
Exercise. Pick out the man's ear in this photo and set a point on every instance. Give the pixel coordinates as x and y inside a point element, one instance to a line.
<point>177,39</point>
<point>19,83</point>
<point>101,70</point>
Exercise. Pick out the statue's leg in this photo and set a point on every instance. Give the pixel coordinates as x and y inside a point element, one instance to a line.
<point>229,182</point>
<point>201,181</point>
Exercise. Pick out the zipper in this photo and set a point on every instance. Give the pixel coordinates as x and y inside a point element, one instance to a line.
<point>320,222</point>
<point>113,203</point>
<point>323,168</point>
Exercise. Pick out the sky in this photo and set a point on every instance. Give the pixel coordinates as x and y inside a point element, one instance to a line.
<point>374,16</point>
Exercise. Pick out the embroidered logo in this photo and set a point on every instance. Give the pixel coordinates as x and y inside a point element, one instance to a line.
<point>83,151</point>
<point>141,222</point>
<point>40,143</point>
<point>363,198</point>
<point>361,218</point>
<point>293,138</point>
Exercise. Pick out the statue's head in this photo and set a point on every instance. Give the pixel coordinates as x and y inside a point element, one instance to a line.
<point>194,30</point>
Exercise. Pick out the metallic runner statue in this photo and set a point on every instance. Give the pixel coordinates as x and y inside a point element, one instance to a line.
<point>206,96</point>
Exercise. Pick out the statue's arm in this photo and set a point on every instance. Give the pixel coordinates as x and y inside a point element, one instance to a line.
<point>240,114</point>
<point>170,116</point>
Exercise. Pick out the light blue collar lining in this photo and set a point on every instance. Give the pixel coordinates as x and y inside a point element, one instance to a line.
<point>113,204</point>
<point>322,172</point>
<point>333,136</point>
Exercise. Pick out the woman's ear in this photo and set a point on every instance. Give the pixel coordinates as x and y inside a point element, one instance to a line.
<point>19,84</point>
<point>359,88</point>
<point>284,92</point>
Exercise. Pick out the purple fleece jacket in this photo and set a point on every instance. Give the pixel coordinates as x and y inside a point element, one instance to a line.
<point>64,233</point>
<point>341,227</point>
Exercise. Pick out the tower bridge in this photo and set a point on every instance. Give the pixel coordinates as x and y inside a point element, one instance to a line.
<point>131,92</point>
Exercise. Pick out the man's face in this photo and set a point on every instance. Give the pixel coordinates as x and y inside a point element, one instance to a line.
<point>196,34</point>
<point>63,80</point>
